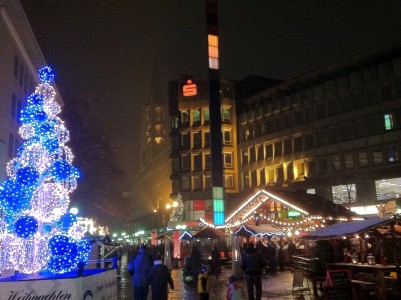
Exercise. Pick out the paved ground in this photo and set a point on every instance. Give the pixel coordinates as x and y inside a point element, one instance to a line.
<point>275,287</point>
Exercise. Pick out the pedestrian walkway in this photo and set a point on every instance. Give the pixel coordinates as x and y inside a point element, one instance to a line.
<point>274,287</point>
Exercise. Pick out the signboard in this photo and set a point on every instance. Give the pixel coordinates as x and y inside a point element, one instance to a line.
<point>338,293</point>
<point>101,285</point>
<point>339,285</point>
<point>189,89</point>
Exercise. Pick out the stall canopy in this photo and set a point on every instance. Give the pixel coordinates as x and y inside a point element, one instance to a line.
<point>209,233</point>
<point>375,226</point>
<point>263,230</point>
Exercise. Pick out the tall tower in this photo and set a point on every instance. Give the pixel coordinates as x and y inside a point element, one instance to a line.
<point>215,112</point>
<point>154,123</point>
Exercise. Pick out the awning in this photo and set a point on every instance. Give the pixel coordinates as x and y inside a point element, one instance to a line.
<point>348,229</point>
<point>263,230</point>
<point>209,233</point>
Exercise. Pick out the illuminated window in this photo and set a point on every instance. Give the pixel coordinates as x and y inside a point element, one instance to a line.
<point>227,137</point>
<point>185,117</point>
<point>196,139</point>
<point>262,176</point>
<point>377,156</point>
<point>300,169</point>
<point>206,116</point>
<point>226,114</point>
<point>348,160</point>
<point>270,175</point>
<point>388,121</point>
<point>229,181</point>
<point>363,158</point>
<point>196,117</point>
<point>213,46</point>
<point>197,162</point>
<point>228,160</point>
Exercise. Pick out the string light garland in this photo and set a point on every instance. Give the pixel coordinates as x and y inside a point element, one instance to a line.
<point>36,231</point>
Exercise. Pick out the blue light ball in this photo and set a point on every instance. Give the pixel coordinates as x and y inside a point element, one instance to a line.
<point>66,221</point>
<point>27,176</point>
<point>61,264</point>
<point>46,128</point>
<point>47,228</point>
<point>60,170</point>
<point>59,245</point>
<point>51,145</point>
<point>46,74</point>
<point>26,227</point>
<point>35,99</point>
<point>33,113</point>
<point>14,197</point>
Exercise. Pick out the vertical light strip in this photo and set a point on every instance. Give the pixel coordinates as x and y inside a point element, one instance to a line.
<point>213,49</point>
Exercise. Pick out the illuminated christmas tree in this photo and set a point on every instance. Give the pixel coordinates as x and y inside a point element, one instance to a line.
<point>36,230</point>
<point>178,212</point>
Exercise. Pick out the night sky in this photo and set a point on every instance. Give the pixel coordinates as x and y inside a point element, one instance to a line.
<point>108,51</point>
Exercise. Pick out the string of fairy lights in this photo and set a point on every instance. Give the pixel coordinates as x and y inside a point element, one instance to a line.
<point>36,230</point>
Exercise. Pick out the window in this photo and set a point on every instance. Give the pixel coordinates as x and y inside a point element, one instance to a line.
<point>333,108</point>
<point>375,125</point>
<point>206,117</point>
<point>244,155</point>
<point>348,160</point>
<point>213,51</point>
<point>227,137</point>
<point>185,118</point>
<point>185,183</point>
<point>185,140</point>
<point>197,182</point>
<point>392,153</point>
<point>252,154</point>
<point>228,160</point>
<point>321,137</point>
<point>260,152</point>
<point>206,139</point>
<point>388,121</point>
<point>196,117</point>
<point>346,104</point>
<point>280,173</point>
<point>196,139</point>
<point>346,132</point>
<point>299,117</point>
<point>13,105</point>
<point>185,162</point>
<point>298,143</point>
<point>270,175</point>
<point>288,121</point>
<point>10,145</point>
<point>322,165</point>
<point>246,180</point>
<point>262,176</point>
<point>311,168</point>
<point>226,114</point>
<point>310,114</point>
<point>360,128</point>
<point>16,66</point>
<point>269,151</point>
<point>197,159</point>
<point>207,162</point>
<point>377,156</point>
<point>207,182</point>
<point>247,134</point>
<point>372,96</point>
<point>300,169</point>
<point>332,135</point>
<point>335,162</point>
<point>278,149</point>
<point>309,141</point>
<point>358,100</point>
<point>174,123</point>
<point>320,111</point>
<point>287,146</point>
<point>363,158</point>
<point>229,181</point>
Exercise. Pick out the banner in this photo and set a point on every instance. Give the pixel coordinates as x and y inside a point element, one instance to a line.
<point>101,285</point>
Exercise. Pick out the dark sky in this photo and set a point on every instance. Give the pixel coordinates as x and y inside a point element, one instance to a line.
<point>108,50</point>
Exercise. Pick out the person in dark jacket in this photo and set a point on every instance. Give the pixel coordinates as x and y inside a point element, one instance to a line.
<point>142,265</point>
<point>159,277</point>
<point>252,265</point>
<point>215,261</point>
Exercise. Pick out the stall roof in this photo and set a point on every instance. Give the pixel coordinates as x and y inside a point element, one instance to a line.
<point>260,230</point>
<point>347,229</point>
<point>209,233</point>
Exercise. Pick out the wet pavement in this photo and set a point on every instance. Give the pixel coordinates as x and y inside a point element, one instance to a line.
<point>274,287</point>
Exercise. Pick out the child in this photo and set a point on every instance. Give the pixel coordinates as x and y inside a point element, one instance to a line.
<point>234,291</point>
<point>203,284</point>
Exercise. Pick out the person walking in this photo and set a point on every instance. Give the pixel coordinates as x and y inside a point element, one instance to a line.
<point>215,261</point>
<point>252,265</point>
<point>141,266</point>
<point>281,257</point>
<point>159,278</point>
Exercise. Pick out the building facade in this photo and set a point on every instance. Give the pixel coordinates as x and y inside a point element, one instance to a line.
<point>21,58</point>
<point>335,132</point>
<point>191,145</point>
